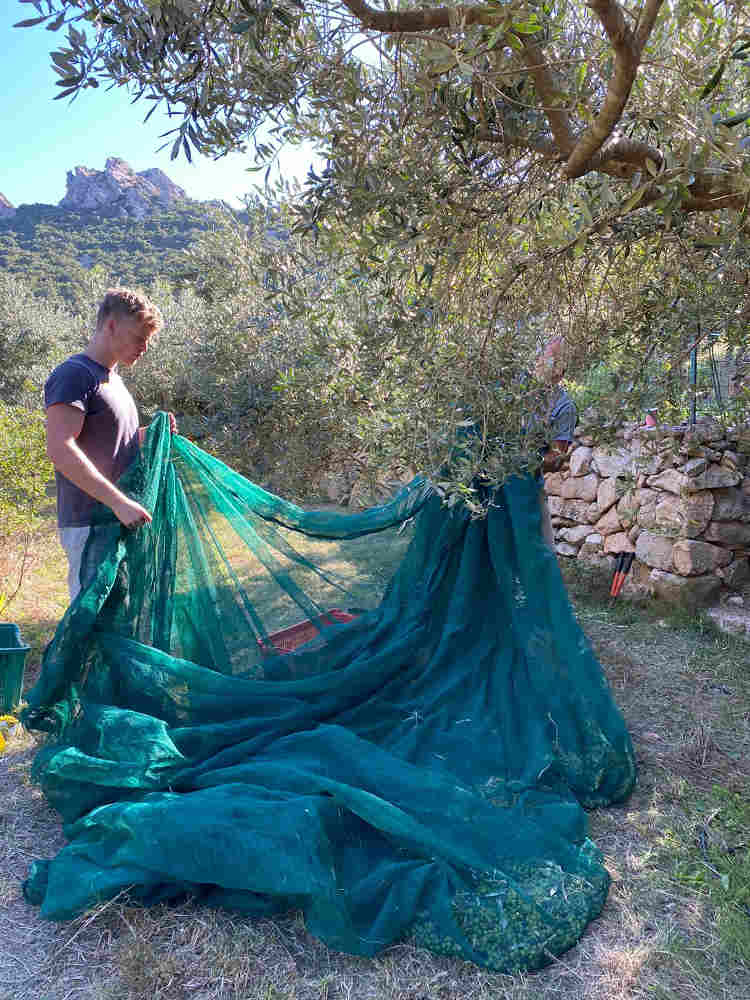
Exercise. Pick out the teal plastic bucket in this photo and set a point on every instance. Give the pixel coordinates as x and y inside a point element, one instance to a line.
<point>12,657</point>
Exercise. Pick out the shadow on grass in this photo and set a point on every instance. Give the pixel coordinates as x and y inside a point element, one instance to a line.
<point>353,573</point>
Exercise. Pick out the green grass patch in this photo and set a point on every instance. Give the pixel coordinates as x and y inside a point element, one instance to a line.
<point>710,854</point>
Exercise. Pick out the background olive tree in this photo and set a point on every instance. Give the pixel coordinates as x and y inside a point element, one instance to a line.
<point>34,331</point>
<point>24,475</point>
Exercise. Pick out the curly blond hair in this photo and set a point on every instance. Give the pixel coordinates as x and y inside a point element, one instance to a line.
<point>128,302</point>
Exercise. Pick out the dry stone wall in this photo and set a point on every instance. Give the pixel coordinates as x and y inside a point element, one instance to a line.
<point>676,497</point>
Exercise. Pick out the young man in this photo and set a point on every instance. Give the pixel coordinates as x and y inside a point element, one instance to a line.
<point>560,419</point>
<point>92,423</point>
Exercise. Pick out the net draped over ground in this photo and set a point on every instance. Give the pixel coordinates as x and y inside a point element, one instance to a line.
<point>419,770</point>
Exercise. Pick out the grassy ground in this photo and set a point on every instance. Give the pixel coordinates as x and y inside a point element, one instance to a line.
<point>676,925</point>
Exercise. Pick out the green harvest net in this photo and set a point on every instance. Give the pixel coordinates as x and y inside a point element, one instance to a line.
<point>415,769</point>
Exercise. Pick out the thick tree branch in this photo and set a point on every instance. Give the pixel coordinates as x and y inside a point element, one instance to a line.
<point>548,90</point>
<point>627,47</point>
<point>427,19</point>
<point>712,201</point>
<point>544,145</point>
<point>627,151</point>
<point>646,22</point>
<point>597,148</point>
<point>621,157</point>
<point>585,152</point>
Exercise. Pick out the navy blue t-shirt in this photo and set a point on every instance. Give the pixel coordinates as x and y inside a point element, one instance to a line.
<point>109,436</point>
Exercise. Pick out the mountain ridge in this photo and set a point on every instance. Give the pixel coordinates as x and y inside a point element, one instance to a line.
<point>118,191</point>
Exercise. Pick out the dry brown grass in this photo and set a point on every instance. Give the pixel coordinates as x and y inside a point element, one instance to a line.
<point>685,694</point>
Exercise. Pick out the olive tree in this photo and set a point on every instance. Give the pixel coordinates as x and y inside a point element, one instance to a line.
<point>495,173</point>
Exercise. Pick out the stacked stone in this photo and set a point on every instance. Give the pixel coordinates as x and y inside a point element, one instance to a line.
<point>678,498</point>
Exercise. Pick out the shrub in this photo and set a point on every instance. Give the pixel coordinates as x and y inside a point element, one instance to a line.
<point>24,474</point>
<point>35,335</point>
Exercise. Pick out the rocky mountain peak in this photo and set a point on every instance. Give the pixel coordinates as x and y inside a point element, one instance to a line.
<point>169,190</point>
<point>120,191</point>
<point>7,210</point>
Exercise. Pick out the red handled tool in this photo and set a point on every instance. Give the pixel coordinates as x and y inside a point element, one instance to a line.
<point>616,574</point>
<point>623,565</point>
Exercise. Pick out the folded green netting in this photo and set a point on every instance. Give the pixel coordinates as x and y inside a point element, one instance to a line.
<point>389,720</point>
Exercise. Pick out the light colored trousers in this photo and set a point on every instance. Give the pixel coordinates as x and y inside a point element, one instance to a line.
<point>73,541</point>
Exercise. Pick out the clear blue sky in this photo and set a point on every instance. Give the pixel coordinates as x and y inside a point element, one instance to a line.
<point>42,138</point>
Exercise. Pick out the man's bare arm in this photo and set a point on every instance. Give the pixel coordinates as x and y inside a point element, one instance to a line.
<point>172,428</point>
<point>64,424</point>
<point>554,458</point>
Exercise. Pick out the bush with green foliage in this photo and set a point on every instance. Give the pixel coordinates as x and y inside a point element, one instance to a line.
<point>35,334</point>
<point>61,253</point>
<point>25,473</point>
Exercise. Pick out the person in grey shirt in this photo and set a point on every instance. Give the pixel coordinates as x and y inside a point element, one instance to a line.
<point>560,419</point>
<point>92,423</point>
